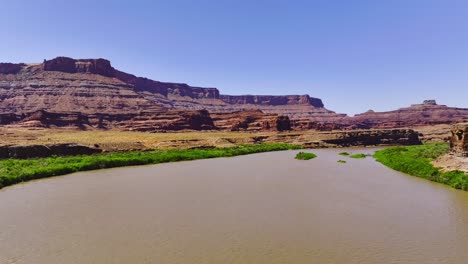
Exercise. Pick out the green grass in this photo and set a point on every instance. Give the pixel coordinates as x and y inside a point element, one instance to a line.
<point>305,156</point>
<point>416,161</point>
<point>343,153</point>
<point>358,156</point>
<point>13,171</point>
<point>341,161</point>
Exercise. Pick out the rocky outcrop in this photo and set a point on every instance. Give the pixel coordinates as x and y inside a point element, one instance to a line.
<point>282,123</point>
<point>296,107</point>
<point>94,86</point>
<point>272,100</point>
<point>10,68</point>
<point>33,89</point>
<point>171,120</point>
<point>103,67</point>
<point>42,151</point>
<point>427,113</point>
<point>167,120</point>
<point>253,120</point>
<point>375,138</point>
<point>459,139</point>
<point>10,118</point>
<point>63,64</point>
<point>429,102</point>
<point>46,119</point>
<point>305,124</point>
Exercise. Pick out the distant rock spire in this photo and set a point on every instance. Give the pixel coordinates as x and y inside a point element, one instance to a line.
<point>429,102</point>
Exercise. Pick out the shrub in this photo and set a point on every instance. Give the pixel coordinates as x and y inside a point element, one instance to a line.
<point>358,156</point>
<point>416,161</point>
<point>305,156</point>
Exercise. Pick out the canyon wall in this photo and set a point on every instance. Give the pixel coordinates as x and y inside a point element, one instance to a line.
<point>426,113</point>
<point>272,100</point>
<point>92,87</point>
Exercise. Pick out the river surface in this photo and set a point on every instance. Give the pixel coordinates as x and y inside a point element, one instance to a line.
<point>263,208</point>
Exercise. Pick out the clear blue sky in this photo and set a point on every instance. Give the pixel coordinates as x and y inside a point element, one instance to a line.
<point>355,55</point>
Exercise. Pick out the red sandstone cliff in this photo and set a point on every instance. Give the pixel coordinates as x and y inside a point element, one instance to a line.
<point>92,87</point>
<point>427,113</point>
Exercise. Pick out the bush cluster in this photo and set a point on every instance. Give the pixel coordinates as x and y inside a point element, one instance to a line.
<point>416,161</point>
<point>305,156</point>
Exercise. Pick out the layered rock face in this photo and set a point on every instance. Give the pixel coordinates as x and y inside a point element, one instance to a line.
<point>91,88</point>
<point>64,64</point>
<point>94,86</point>
<point>272,100</point>
<point>459,139</point>
<point>294,106</point>
<point>253,120</point>
<point>427,113</point>
<point>167,120</point>
<point>171,120</point>
<point>376,138</point>
<point>33,89</point>
<point>10,68</point>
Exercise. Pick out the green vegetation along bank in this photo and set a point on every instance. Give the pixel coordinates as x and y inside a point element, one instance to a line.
<point>305,156</point>
<point>13,171</point>
<point>416,161</point>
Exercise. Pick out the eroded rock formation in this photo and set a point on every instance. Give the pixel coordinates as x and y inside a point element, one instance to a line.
<point>375,138</point>
<point>272,100</point>
<point>64,64</point>
<point>82,91</point>
<point>253,120</point>
<point>94,86</point>
<point>171,120</point>
<point>459,140</point>
<point>167,120</point>
<point>427,113</point>
<point>10,68</point>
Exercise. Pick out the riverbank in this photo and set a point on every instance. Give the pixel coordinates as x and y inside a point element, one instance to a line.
<point>14,171</point>
<point>417,161</point>
<point>116,140</point>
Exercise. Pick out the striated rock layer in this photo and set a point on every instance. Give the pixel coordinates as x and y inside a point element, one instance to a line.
<point>72,91</point>
<point>376,138</point>
<point>253,120</point>
<point>427,113</point>
<point>94,86</point>
<point>167,120</point>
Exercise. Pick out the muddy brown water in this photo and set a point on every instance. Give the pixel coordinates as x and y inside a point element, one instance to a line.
<point>262,208</point>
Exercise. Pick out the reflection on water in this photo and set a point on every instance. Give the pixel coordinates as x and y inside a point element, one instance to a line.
<point>263,208</point>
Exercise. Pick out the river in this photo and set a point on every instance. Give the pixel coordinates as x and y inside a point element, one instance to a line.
<point>262,208</point>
